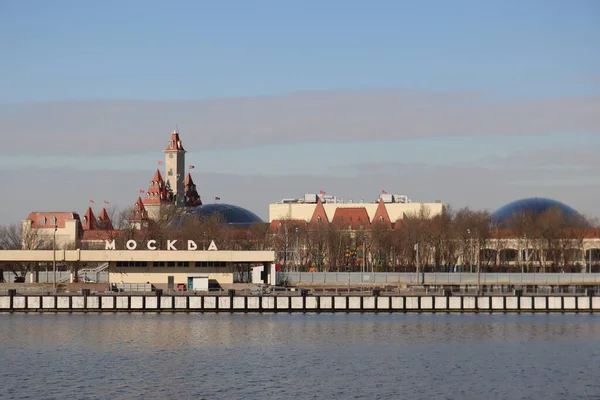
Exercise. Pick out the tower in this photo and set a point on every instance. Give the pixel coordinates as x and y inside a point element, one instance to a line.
<point>175,168</point>
<point>157,196</point>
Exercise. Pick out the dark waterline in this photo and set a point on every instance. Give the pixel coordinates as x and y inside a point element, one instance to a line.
<point>314,356</point>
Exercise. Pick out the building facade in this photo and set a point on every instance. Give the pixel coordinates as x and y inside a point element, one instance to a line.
<point>321,208</point>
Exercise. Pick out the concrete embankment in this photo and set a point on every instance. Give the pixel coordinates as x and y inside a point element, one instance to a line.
<point>232,303</point>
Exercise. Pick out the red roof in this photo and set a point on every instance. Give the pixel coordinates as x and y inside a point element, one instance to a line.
<point>104,221</point>
<point>89,220</point>
<point>46,217</point>
<point>381,215</point>
<point>354,217</point>
<point>157,193</point>
<point>175,143</point>
<point>319,214</point>
<point>192,198</point>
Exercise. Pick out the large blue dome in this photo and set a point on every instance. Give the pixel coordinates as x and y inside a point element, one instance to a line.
<point>230,214</point>
<point>536,205</point>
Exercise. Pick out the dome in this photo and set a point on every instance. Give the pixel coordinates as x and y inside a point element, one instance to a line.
<point>535,205</point>
<point>231,215</point>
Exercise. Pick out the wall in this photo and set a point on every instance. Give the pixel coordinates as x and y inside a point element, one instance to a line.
<point>160,275</point>
<point>441,278</point>
<point>211,303</point>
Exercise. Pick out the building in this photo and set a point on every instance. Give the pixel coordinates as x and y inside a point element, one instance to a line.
<point>322,208</point>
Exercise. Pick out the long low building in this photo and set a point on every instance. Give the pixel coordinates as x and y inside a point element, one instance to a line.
<point>152,266</point>
<point>388,209</point>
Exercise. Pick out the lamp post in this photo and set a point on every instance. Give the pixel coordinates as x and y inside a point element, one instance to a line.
<point>297,251</point>
<point>478,265</point>
<point>470,251</point>
<point>54,258</point>
<point>417,250</point>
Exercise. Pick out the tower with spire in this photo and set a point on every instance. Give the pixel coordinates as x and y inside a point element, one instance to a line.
<point>175,168</point>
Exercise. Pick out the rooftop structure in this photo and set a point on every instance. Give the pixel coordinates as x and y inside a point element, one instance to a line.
<point>388,209</point>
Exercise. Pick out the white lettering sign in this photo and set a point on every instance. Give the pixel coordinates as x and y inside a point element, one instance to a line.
<point>153,245</point>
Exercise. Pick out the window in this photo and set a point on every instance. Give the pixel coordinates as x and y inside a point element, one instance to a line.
<point>318,220</point>
<point>84,222</point>
<point>53,221</point>
<point>170,172</point>
<point>131,264</point>
<point>158,264</point>
<point>43,221</point>
<point>380,219</point>
<point>211,264</point>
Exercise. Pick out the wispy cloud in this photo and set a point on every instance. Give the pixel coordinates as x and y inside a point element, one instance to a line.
<point>67,189</point>
<point>103,127</point>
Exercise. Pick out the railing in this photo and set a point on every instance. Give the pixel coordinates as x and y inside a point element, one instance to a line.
<point>61,276</point>
<point>436,278</point>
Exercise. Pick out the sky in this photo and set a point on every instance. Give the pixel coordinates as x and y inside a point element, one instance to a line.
<point>472,103</point>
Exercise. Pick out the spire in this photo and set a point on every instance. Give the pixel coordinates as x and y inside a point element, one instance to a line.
<point>175,143</point>
<point>192,198</point>
<point>89,220</point>
<point>104,221</point>
<point>139,211</point>
<point>158,192</point>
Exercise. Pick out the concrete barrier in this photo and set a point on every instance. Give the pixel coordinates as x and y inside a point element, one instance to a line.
<point>353,303</point>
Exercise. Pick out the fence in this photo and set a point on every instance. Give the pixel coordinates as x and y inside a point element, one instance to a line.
<point>436,278</point>
<point>61,277</point>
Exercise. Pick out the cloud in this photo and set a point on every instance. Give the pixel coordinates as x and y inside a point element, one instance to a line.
<point>104,127</point>
<point>478,187</point>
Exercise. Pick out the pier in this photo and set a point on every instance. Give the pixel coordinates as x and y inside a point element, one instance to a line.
<point>302,302</point>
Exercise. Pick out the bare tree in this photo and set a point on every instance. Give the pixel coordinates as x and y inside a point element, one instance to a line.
<point>12,237</point>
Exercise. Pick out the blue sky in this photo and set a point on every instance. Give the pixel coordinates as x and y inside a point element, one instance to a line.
<point>331,91</point>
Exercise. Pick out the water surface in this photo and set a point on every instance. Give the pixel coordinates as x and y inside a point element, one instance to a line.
<point>289,356</point>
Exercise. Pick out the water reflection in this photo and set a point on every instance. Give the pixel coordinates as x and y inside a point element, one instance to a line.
<point>299,355</point>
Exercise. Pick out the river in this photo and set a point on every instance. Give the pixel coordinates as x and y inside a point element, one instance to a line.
<point>299,356</point>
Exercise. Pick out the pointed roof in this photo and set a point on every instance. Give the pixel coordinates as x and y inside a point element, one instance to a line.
<point>139,211</point>
<point>175,143</point>
<point>188,180</point>
<point>381,215</point>
<point>192,198</point>
<point>89,220</point>
<point>158,177</point>
<point>104,221</point>
<point>319,214</point>
<point>158,192</point>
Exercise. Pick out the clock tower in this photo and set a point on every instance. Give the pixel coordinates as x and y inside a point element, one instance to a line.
<point>175,168</point>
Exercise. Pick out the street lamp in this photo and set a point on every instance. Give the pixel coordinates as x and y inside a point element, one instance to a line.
<point>297,251</point>
<point>54,257</point>
<point>417,251</point>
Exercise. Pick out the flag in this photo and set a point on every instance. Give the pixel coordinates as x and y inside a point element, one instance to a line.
<point>106,202</point>
<point>159,162</point>
<point>383,191</point>
<point>217,198</point>
<point>192,166</point>
<point>322,192</point>
<point>141,191</point>
<point>92,201</point>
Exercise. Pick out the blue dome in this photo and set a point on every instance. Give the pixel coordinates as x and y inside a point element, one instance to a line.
<point>230,214</point>
<point>533,205</point>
